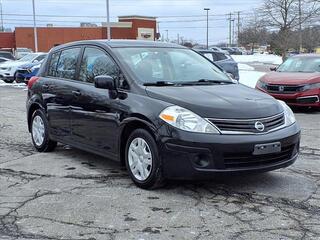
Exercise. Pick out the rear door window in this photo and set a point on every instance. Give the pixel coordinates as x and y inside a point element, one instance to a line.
<point>66,67</point>
<point>53,64</point>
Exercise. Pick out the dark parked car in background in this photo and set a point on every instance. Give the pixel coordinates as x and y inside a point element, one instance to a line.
<point>296,81</point>
<point>163,110</point>
<point>7,55</point>
<point>224,61</point>
<point>232,50</point>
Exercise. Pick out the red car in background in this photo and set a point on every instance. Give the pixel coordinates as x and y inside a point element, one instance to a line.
<point>296,81</point>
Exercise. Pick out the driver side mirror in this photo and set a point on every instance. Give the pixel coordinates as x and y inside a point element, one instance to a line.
<point>104,82</point>
<point>273,69</point>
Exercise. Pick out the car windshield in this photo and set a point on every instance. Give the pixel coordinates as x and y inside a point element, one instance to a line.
<point>170,65</point>
<point>300,64</point>
<point>28,58</point>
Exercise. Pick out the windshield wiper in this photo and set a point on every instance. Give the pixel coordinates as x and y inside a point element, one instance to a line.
<point>206,81</point>
<point>159,83</point>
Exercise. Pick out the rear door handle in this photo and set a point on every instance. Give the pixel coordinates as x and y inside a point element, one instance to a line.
<point>76,93</point>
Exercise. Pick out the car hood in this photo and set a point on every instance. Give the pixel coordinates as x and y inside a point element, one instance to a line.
<point>291,78</point>
<point>219,101</point>
<point>12,64</point>
<point>30,65</point>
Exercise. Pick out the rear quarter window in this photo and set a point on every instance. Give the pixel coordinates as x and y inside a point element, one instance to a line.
<point>52,71</point>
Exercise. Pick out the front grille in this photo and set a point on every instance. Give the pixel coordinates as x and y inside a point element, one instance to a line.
<point>282,88</point>
<point>249,126</point>
<point>244,160</point>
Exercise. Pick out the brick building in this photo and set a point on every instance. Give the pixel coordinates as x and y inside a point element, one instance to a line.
<point>128,27</point>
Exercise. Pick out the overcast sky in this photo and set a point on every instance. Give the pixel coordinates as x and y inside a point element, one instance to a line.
<point>170,13</point>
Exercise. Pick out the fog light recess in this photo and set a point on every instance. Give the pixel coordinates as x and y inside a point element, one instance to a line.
<point>201,160</point>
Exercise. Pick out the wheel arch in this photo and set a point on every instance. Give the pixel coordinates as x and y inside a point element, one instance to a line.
<point>130,124</point>
<point>33,107</point>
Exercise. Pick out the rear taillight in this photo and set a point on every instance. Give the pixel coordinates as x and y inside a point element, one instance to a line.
<point>32,81</point>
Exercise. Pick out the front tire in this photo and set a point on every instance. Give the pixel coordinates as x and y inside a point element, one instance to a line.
<point>142,160</point>
<point>40,132</point>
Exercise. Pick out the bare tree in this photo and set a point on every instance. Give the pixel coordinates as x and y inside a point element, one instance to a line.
<point>284,16</point>
<point>254,33</point>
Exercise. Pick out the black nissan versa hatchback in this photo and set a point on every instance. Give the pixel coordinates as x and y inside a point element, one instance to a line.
<point>163,110</point>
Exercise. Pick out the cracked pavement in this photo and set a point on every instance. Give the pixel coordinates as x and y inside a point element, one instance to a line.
<point>70,194</point>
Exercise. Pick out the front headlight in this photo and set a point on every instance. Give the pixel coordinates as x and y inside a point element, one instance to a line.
<point>288,114</point>
<point>310,86</point>
<point>186,120</point>
<point>261,84</point>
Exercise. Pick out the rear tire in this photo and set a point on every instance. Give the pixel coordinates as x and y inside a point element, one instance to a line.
<point>40,132</point>
<point>142,160</point>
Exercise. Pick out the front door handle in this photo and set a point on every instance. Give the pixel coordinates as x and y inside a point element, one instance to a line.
<point>45,86</point>
<point>76,93</point>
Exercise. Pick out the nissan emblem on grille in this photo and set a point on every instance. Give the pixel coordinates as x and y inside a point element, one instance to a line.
<point>259,126</point>
<point>281,88</point>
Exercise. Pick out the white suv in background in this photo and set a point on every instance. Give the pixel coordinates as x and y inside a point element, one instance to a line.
<point>8,69</point>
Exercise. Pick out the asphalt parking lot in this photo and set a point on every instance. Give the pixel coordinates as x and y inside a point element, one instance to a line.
<point>70,194</point>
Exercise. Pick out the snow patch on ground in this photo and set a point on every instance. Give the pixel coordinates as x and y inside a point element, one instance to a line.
<point>14,84</point>
<point>246,67</point>
<point>250,78</point>
<point>259,58</point>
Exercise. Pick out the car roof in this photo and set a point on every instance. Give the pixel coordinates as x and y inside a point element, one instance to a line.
<point>123,43</point>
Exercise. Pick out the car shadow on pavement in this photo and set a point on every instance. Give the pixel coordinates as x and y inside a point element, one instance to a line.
<point>306,110</point>
<point>274,182</point>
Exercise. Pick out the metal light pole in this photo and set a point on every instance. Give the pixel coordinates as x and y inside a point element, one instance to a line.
<point>232,41</point>
<point>230,17</point>
<point>300,27</point>
<point>35,27</point>
<point>2,27</point>
<point>207,9</point>
<point>108,21</point>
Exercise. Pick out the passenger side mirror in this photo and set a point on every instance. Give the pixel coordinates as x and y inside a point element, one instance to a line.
<point>273,69</point>
<point>104,82</point>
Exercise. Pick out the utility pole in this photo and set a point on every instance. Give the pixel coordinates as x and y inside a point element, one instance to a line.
<point>2,27</point>
<point>300,27</point>
<point>207,9</point>
<point>35,27</point>
<point>232,39</point>
<point>178,38</point>
<point>230,16</point>
<point>238,35</point>
<point>167,40</point>
<point>108,21</point>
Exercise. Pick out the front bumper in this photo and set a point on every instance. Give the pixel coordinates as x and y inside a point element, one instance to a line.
<point>309,98</point>
<point>187,155</point>
<point>6,75</point>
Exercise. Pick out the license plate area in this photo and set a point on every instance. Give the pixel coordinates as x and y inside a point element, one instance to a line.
<point>267,148</point>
